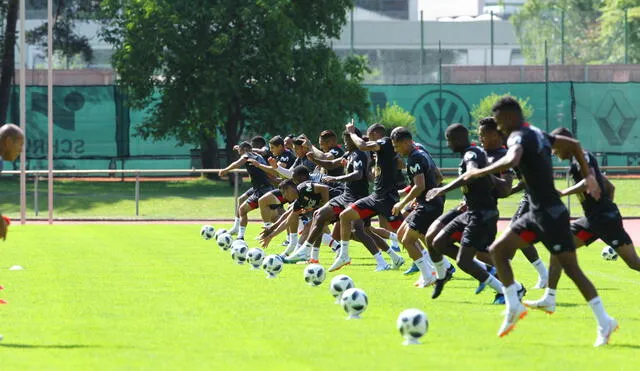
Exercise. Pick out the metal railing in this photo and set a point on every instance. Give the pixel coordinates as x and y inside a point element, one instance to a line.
<point>38,175</point>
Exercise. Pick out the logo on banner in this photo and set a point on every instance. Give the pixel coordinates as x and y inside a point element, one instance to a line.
<point>434,111</point>
<point>615,117</point>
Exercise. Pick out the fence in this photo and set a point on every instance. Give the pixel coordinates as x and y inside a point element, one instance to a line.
<point>216,198</point>
<point>428,51</point>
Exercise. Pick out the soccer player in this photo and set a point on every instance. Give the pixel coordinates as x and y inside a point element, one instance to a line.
<point>384,194</point>
<point>271,203</point>
<point>602,220</point>
<point>304,197</point>
<point>476,228</point>
<point>356,186</point>
<point>11,142</point>
<point>548,219</point>
<point>260,183</point>
<point>423,174</point>
<point>492,143</point>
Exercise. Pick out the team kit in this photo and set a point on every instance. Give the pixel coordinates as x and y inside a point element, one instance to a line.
<point>321,196</point>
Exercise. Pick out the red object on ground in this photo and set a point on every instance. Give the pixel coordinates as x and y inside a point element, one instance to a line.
<point>6,219</point>
<point>3,301</point>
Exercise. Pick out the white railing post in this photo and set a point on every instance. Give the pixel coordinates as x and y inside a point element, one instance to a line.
<point>137,193</point>
<point>35,195</point>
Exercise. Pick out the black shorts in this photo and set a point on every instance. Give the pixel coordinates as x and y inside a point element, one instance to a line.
<point>281,201</point>
<point>605,226</point>
<point>549,226</point>
<point>475,228</point>
<point>256,194</point>
<point>340,203</point>
<point>378,205</point>
<point>423,215</point>
<point>447,217</point>
<point>523,208</point>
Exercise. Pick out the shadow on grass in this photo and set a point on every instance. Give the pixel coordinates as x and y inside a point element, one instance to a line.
<point>632,346</point>
<point>59,346</point>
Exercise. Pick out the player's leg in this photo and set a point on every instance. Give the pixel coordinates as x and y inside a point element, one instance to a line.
<point>397,260</point>
<point>362,209</point>
<point>533,257</point>
<point>270,207</point>
<point>320,218</point>
<point>387,235</point>
<point>241,200</point>
<point>244,210</point>
<point>371,242</point>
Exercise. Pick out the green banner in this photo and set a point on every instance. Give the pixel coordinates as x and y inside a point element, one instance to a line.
<point>606,115</point>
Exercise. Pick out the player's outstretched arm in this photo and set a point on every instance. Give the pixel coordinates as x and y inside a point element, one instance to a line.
<point>418,187</point>
<point>263,167</point>
<point>324,162</point>
<point>510,160</point>
<point>519,187</point>
<point>579,187</point>
<point>353,176</point>
<point>503,185</point>
<point>234,165</point>
<point>573,146</point>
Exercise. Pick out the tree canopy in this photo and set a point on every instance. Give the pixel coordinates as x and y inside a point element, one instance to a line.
<point>234,65</point>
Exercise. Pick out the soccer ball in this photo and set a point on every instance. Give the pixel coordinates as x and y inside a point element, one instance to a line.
<point>219,232</point>
<point>239,253</point>
<point>272,264</point>
<point>354,302</point>
<point>412,324</point>
<point>224,241</point>
<point>255,257</point>
<point>207,232</point>
<point>239,243</point>
<point>340,284</point>
<point>314,274</point>
<point>608,253</point>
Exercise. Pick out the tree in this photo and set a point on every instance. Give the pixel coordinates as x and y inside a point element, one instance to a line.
<point>612,35</point>
<point>67,14</point>
<point>393,116</point>
<point>484,109</point>
<point>541,20</point>
<point>8,55</point>
<point>209,66</point>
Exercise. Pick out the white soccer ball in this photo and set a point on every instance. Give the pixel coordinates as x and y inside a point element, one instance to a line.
<point>340,284</point>
<point>608,253</point>
<point>224,241</point>
<point>314,274</point>
<point>412,324</point>
<point>207,232</point>
<point>354,301</point>
<point>255,257</point>
<point>239,253</point>
<point>272,264</point>
<point>239,243</point>
<point>219,232</point>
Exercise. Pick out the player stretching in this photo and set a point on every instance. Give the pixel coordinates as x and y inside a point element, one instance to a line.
<point>476,228</point>
<point>260,183</point>
<point>424,176</point>
<point>492,143</point>
<point>356,186</point>
<point>602,220</point>
<point>11,142</point>
<point>380,202</point>
<point>548,219</point>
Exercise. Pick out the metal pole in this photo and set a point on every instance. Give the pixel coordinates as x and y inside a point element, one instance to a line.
<point>546,86</point>
<point>422,46</point>
<point>562,37</point>
<point>492,40</point>
<point>352,32</point>
<point>236,191</point>
<point>626,36</point>
<point>137,193</point>
<point>23,115</point>
<point>50,103</point>
<point>35,195</point>
<point>440,136</point>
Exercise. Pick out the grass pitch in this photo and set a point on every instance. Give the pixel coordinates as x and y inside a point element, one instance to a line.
<point>158,297</point>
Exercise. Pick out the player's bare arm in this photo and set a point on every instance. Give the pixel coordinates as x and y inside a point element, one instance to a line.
<point>325,162</point>
<point>573,146</point>
<point>510,160</point>
<point>419,185</point>
<point>457,183</point>
<point>235,165</point>
<point>351,177</point>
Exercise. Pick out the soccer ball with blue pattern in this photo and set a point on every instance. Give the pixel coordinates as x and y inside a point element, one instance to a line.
<point>608,253</point>
<point>207,232</point>
<point>412,324</point>
<point>354,302</point>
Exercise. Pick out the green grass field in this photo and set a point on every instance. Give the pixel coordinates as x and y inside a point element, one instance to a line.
<point>158,297</point>
<point>199,199</point>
